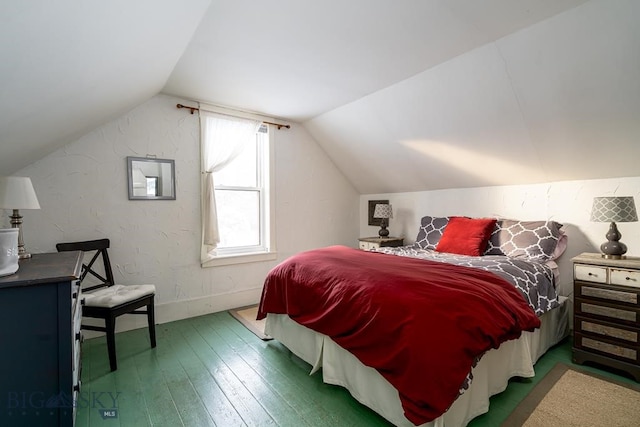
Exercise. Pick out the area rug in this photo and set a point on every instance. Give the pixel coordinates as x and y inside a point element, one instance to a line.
<point>247,316</point>
<point>568,397</point>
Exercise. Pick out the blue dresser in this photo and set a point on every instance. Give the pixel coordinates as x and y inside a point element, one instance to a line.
<point>40,312</point>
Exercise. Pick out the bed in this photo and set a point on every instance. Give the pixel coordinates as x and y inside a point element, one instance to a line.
<point>424,334</point>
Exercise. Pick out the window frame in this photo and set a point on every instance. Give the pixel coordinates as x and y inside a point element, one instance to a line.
<point>266,251</point>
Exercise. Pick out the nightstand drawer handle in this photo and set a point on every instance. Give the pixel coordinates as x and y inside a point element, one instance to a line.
<point>630,278</point>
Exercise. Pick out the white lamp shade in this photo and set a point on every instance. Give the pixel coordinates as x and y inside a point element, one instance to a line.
<point>16,192</point>
<point>383,211</point>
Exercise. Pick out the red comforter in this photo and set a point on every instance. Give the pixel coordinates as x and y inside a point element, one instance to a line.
<point>420,323</point>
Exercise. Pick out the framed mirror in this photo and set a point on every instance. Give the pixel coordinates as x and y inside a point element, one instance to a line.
<point>151,179</point>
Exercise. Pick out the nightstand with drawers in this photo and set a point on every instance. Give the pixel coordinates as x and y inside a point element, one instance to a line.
<point>368,243</point>
<point>607,312</point>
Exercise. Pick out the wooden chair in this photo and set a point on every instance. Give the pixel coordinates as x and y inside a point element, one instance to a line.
<point>107,300</point>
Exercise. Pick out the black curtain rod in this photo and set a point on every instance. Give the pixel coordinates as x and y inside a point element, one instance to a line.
<point>193,109</point>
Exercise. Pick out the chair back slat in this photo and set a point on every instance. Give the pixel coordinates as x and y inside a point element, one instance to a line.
<point>100,247</point>
<point>87,246</point>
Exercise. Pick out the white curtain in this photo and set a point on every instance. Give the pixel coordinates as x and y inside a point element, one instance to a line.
<point>223,138</point>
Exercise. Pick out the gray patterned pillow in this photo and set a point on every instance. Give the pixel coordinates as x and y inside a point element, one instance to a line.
<point>530,240</point>
<point>430,232</point>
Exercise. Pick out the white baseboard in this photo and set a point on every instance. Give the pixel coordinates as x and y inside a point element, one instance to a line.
<point>178,310</point>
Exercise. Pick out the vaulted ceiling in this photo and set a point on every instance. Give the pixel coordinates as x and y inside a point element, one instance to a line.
<point>416,95</point>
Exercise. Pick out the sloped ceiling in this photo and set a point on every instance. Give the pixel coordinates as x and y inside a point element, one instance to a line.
<point>299,59</point>
<point>556,101</point>
<point>68,66</point>
<point>416,95</point>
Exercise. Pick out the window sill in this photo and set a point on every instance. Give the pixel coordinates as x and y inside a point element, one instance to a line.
<point>240,259</point>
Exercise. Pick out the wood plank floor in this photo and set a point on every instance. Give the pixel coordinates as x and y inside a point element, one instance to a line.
<point>211,371</point>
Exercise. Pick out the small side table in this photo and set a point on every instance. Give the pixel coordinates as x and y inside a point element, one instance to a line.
<point>607,312</point>
<point>368,243</point>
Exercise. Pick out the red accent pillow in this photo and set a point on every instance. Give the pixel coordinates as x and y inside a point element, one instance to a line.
<point>466,236</point>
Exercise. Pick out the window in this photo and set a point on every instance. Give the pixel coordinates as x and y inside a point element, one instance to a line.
<point>237,154</point>
<point>240,196</point>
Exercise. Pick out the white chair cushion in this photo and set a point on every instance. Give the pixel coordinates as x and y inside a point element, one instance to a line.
<point>117,294</point>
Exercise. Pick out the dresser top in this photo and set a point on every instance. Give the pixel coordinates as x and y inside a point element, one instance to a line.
<point>598,259</point>
<point>45,268</point>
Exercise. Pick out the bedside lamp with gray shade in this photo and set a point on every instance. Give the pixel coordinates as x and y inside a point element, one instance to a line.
<point>384,212</point>
<point>613,209</point>
<point>16,192</point>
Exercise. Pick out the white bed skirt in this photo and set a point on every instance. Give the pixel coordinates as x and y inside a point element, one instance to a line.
<point>490,376</point>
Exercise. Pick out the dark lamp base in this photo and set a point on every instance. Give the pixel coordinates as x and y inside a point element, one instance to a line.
<point>613,248</point>
<point>383,232</point>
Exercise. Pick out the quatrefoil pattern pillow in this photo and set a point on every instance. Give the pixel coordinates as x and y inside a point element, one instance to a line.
<point>530,240</point>
<point>430,232</point>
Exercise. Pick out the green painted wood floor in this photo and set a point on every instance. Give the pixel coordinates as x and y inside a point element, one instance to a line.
<point>211,371</point>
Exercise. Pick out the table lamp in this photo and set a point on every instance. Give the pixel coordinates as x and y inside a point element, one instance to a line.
<point>16,192</point>
<point>384,212</point>
<point>613,209</point>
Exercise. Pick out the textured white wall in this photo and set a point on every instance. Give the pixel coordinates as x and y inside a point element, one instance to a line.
<point>567,202</point>
<point>82,189</point>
